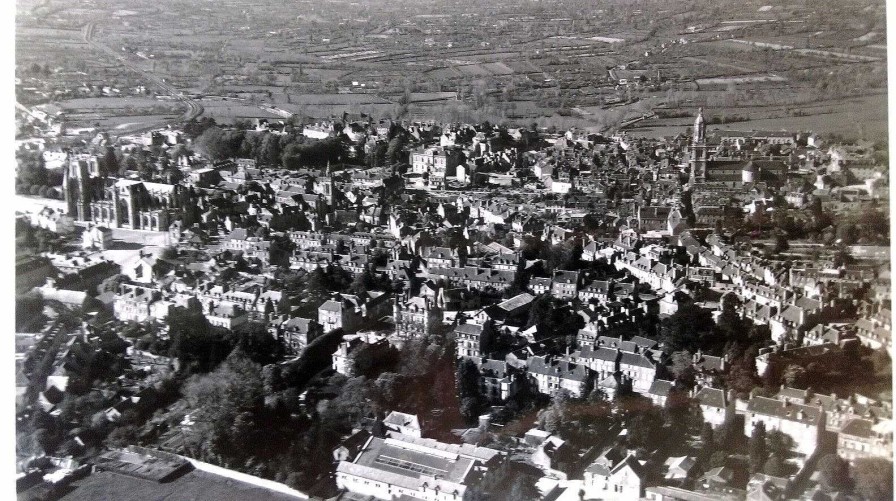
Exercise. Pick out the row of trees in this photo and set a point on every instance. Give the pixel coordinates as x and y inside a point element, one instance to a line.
<point>290,151</point>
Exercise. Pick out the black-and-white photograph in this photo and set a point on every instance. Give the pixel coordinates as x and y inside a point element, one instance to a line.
<point>451,250</point>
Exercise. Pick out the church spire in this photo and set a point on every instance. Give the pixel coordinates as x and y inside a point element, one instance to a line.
<point>699,127</point>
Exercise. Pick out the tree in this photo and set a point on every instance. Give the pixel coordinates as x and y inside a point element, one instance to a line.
<point>778,444</point>
<point>219,144</point>
<point>197,347</point>
<point>774,466</point>
<point>795,376</point>
<point>873,478</point>
<point>31,169</point>
<point>718,459</point>
<point>269,151</point>
<point>253,339</point>
<point>689,328</point>
<point>758,453</point>
<point>706,436</point>
<point>682,366</point>
<point>394,153</point>
<point>834,473</point>
<point>468,389</point>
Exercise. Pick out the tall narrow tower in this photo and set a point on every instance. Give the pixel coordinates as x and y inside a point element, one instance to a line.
<point>698,150</point>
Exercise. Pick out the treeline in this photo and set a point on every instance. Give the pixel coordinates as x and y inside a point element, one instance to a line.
<point>33,177</point>
<point>253,418</point>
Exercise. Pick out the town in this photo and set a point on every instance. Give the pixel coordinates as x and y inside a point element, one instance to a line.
<point>369,304</point>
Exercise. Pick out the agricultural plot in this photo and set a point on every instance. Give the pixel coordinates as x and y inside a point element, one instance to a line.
<point>740,79</point>
<point>855,118</point>
<point>228,111</point>
<point>118,112</point>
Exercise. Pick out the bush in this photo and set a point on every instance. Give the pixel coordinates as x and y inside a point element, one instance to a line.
<point>34,189</point>
<point>43,191</point>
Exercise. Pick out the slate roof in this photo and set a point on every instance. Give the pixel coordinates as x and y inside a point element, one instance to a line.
<point>558,368</point>
<point>712,397</point>
<point>636,360</point>
<point>791,411</point>
<point>661,387</point>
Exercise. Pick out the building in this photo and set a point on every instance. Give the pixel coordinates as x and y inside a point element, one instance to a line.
<point>549,375</point>
<point>53,220</point>
<point>402,466</point>
<point>436,163</point>
<point>698,152</point>
<point>297,333</point>
<point>96,237</point>
<point>565,284</point>
<point>405,424</point>
<point>499,380</point>
<point>415,317</point>
<point>803,423</point>
<point>135,303</point>
<point>612,478</point>
<point>473,340</point>
<point>659,391</point>
<point>716,405</point>
<point>92,196</point>
<point>863,438</point>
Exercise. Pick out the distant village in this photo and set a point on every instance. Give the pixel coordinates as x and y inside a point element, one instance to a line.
<point>435,311</point>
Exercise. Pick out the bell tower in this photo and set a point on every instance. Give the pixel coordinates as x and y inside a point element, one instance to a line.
<point>698,150</point>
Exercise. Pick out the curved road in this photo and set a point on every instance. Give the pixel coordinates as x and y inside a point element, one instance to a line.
<point>194,109</point>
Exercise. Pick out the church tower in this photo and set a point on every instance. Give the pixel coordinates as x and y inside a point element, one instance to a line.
<point>77,188</point>
<point>698,150</point>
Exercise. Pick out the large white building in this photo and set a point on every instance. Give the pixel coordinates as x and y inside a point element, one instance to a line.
<point>803,423</point>
<point>402,466</point>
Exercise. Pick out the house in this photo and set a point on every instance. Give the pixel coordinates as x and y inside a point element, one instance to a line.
<point>226,314</point>
<point>565,284</point>
<point>135,303</point>
<point>473,340</point>
<point>875,331</point>
<point>554,455</point>
<point>407,467</point>
<point>498,380</point>
<point>762,487</point>
<point>53,220</point>
<point>550,374</point>
<point>637,370</point>
<point>406,424</point>
<point>346,311</point>
<point>863,438</point>
<point>659,391</point>
<point>143,269</point>
<point>717,478</point>
<point>803,423</point>
<point>679,469</point>
<point>716,405</point>
<point>415,317</point>
<point>350,447</point>
<point>296,333</point>
<point>614,479</point>
<point>539,285</point>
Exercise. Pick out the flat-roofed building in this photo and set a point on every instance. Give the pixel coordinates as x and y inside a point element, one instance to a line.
<point>404,467</point>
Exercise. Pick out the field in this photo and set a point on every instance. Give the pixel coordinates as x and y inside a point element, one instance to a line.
<point>855,118</point>
<point>197,485</point>
<point>118,112</point>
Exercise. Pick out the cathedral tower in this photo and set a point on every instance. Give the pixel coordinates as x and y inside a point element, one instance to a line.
<point>698,150</point>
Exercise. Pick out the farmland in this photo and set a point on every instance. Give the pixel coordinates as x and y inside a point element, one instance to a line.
<point>851,118</point>
<point>513,62</point>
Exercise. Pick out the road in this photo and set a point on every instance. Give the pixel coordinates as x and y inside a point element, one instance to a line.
<point>194,109</point>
